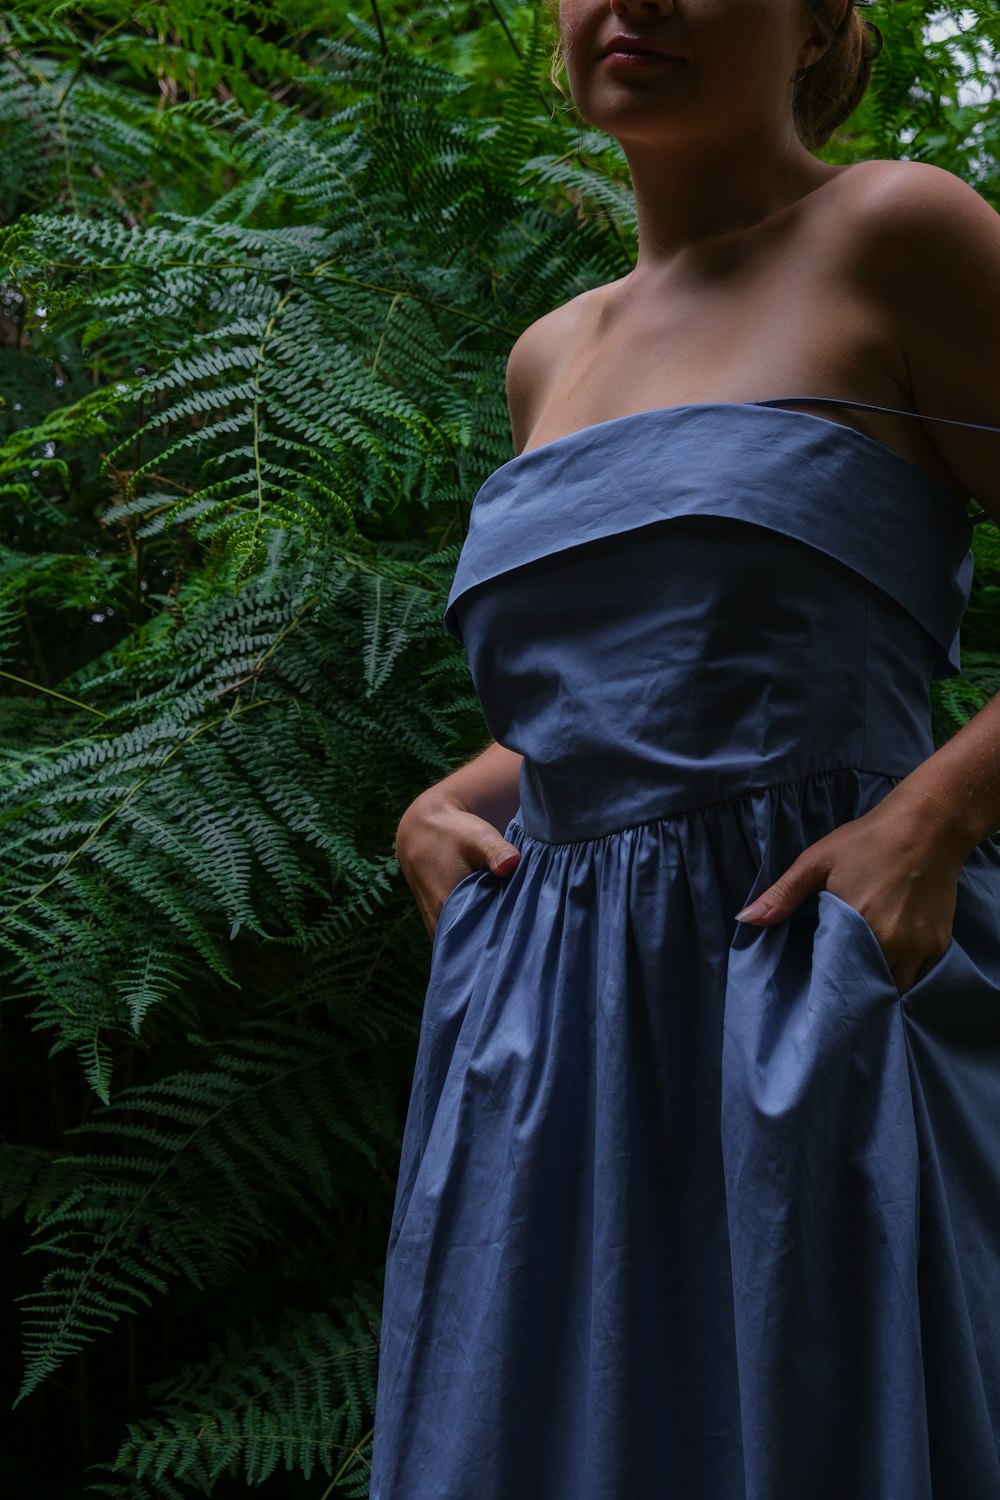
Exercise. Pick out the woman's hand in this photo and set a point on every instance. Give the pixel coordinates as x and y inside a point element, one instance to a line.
<point>443,835</point>
<point>897,865</point>
<point>439,842</point>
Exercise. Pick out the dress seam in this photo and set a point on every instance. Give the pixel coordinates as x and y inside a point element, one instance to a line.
<point>701,807</point>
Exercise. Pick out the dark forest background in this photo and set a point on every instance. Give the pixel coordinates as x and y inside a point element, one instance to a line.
<point>260,266</point>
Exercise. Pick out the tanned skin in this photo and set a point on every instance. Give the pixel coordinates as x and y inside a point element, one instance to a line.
<point>763,273</point>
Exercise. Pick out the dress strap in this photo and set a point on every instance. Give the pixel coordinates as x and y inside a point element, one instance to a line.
<point>888,411</point>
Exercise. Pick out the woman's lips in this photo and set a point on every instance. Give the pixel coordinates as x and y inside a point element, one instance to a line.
<point>623,53</point>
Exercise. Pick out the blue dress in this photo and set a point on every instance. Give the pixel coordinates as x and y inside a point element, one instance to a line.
<point>689,1210</point>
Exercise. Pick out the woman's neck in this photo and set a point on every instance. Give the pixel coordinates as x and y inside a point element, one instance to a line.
<point>686,198</point>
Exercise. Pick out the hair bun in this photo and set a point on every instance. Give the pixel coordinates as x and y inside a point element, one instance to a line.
<point>833,87</point>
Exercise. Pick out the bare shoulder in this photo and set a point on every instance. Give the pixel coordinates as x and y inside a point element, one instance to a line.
<point>929,244</point>
<point>911,214</point>
<point>925,249</point>
<point>543,352</point>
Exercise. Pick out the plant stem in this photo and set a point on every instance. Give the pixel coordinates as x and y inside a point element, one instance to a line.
<point>381,29</point>
<point>51,693</point>
<point>495,8</point>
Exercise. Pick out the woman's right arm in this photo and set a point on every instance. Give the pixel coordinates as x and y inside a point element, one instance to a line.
<point>455,827</point>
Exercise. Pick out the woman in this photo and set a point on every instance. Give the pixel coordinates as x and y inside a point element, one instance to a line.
<point>699,1193</point>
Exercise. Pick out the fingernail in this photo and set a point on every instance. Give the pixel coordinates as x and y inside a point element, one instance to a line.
<point>755,912</point>
<point>505,866</point>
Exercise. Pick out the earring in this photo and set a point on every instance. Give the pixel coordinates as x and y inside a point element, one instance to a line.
<point>798,76</point>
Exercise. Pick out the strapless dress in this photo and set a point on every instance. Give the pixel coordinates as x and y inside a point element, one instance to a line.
<point>690,1210</point>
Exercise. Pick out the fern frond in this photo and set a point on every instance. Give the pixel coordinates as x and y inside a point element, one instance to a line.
<point>198,1165</point>
<point>302,1400</point>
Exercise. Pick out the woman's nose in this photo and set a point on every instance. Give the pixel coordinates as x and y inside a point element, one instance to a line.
<point>642,7</point>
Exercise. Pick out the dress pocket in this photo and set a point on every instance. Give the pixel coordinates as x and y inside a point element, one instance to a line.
<point>811,1018</point>
<point>854,919</point>
<point>959,998</point>
<point>844,918</point>
<point>454,904</point>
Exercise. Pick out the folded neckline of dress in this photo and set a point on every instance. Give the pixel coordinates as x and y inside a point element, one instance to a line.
<point>774,405</point>
<point>859,498</point>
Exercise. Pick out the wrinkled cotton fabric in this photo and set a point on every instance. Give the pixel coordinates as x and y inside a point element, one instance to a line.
<point>688,1209</point>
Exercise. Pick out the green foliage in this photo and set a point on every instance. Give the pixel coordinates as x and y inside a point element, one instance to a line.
<point>265,349</point>
<point>294,1399</point>
<point>956,699</point>
<point>933,97</point>
<point>261,268</point>
<point>202,1164</point>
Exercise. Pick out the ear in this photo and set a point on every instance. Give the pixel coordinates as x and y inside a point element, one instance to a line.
<point>824,19</point>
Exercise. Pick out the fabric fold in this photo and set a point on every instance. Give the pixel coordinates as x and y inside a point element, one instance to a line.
<point>854,499</point>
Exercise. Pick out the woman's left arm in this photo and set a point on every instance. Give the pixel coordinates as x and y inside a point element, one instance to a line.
<point>933,261</point>
<point>898,865</point>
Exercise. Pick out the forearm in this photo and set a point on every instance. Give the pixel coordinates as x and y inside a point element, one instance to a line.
<point>457,827</point>
<point>487,786</point>
<point>958,787</point>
